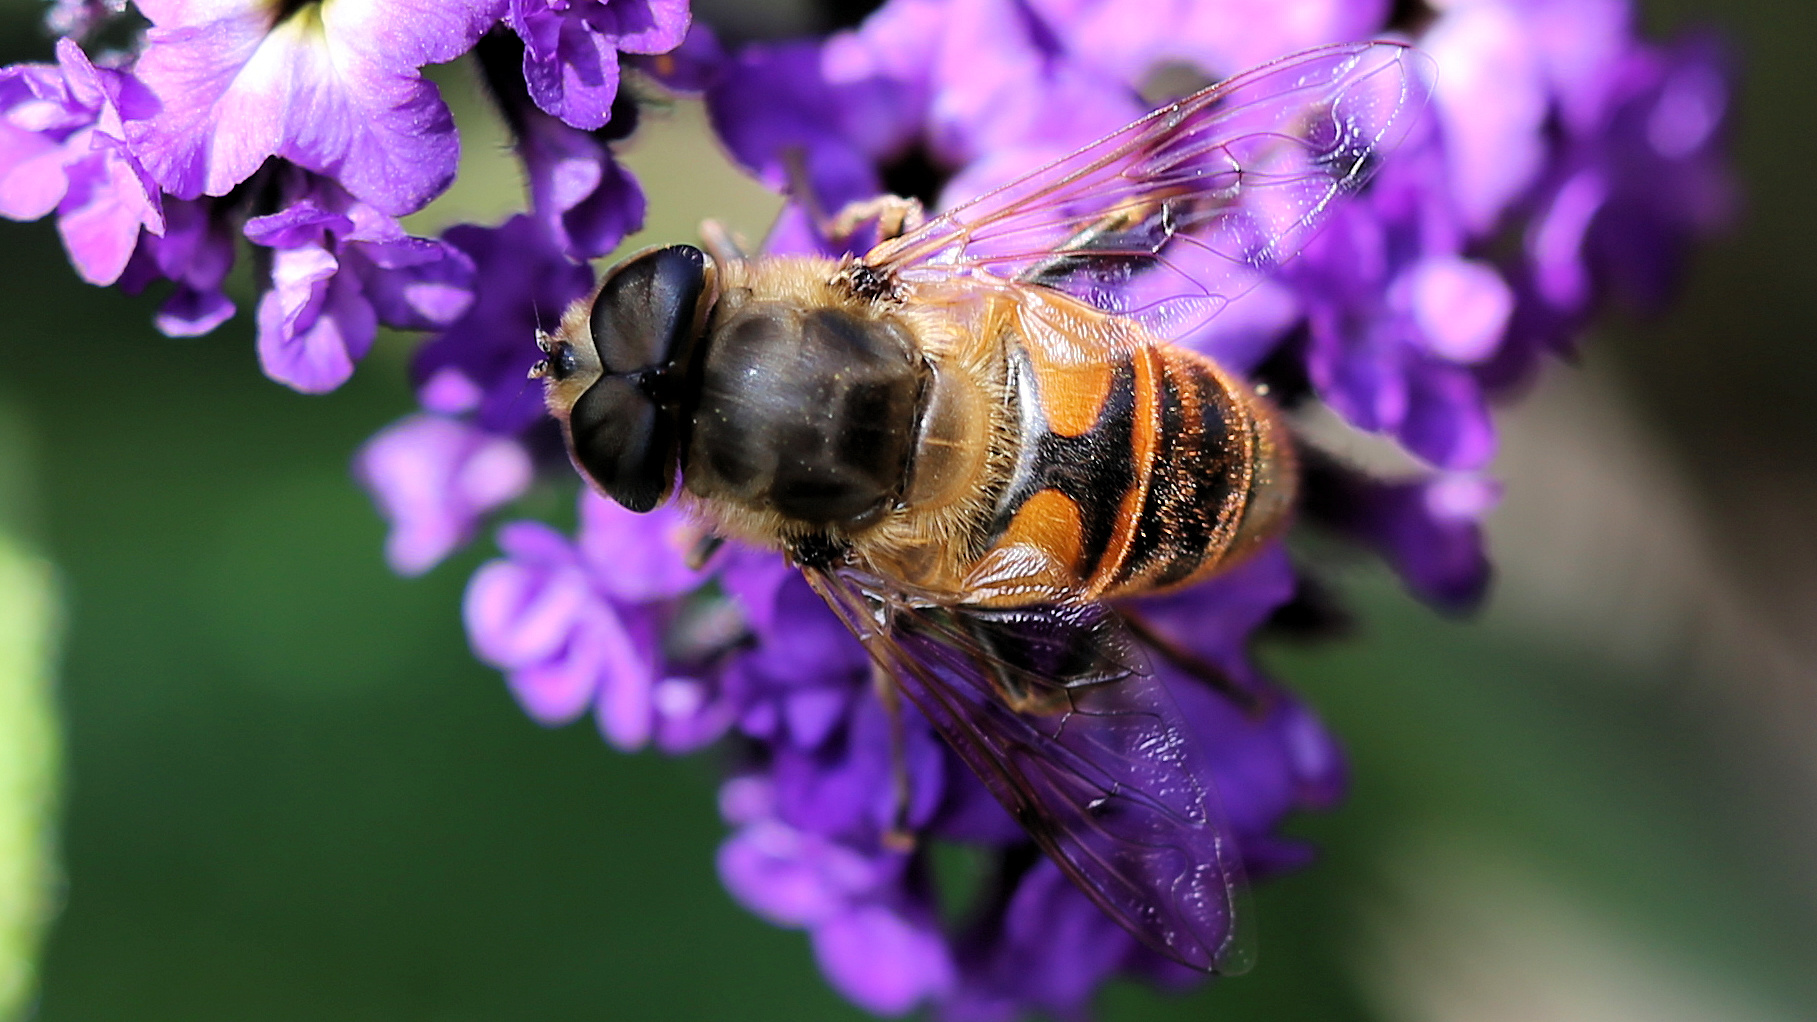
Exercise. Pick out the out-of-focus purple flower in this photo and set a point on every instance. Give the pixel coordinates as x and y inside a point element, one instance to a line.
<point>335,88</point>
<point>635,651</point>
<point>1633,189</point>
<point>1429,530</point>
<point>196,251</point>
<point>786,123</point>
<point>1396,316</point>
<point>1048,949</point>
<point>876,943</point>
<point>690,67</point>
<point>1131,39</point>
<point>479,364</point>
<point>75,19</point>
<point>434,477</point>
<point>586,201</point>
<point>571,49</point>
<point>339,267</point>
<point>1492,106</point>
<point>63,147</point>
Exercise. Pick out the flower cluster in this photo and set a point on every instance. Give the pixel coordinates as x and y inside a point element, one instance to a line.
<point>1564,163</point>
<point>307,129</point>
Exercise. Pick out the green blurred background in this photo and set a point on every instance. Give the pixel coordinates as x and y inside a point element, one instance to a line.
<point>287,791</point>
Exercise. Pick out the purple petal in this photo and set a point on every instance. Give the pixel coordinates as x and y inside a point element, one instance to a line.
<point>1578,41</point>
<point>101,215</point>
<point>302,223</point>
<point>334,89</point>
<point>196,251</point>
<point>1214,619</point>
<point>1460,305</point>
<point>576,79</point>
<point>571,50</point>
<point>772,107</point>
<point>803,642</point>
<point>637,558</point>
<point>1053,951</point>
<point>794,878</point>
<point>1555,240</point>
<point>32,179</point>
<point>626,710</point>
<point>434,478</point>
<point>1359,368</point>
<point>1447,421</point>
<point>314,323</point>
<point>538,617</point>
<point>1219,37</point>
<point>37,117</point>
<point>692,712</point>
<point>846,787</point>
<point>881,960</point>
<point>1493,105</point>
<point>523,283</point>
<point>648,26</point>
<point>189,312</point>
<point>586,200</point>
<point>689,68</point>
<point>415,283</point>
<point>1429,530</point>
<point>520,613</point>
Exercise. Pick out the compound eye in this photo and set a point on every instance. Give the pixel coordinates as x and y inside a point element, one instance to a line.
<point>624,442</point>
<point>644,315</point>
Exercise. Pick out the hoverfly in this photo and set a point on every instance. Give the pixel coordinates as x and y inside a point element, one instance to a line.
<point>974,435</point>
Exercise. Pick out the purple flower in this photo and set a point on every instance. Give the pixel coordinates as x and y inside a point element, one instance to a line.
<point>434,478</point>
<point>339,267</point>
<point>1635,188</point>
<point>571,49</point>
<point>77,18</point>
<point>196,251</point>
<point>335,88</point>
<point>880,948</point>
<point>63,147</point>
<point>586,201</point>
<point>478,365</point>
<point>573,633</point>
<point>1396,315</point>
<point>780,117</point>
<point>1428,529</point>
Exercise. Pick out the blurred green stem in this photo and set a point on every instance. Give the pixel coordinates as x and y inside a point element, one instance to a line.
<point>29,744</point>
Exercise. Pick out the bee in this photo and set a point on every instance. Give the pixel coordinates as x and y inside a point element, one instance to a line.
<point>977,434</point>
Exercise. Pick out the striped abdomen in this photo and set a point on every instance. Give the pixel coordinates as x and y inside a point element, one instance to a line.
<point>1143,469</point>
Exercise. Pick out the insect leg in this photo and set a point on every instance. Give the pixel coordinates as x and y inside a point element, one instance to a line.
<point>703,549</point>
<point>721,243</point>
<point>1253,703</point>
<point>899,837</point>
<point>893,214</point>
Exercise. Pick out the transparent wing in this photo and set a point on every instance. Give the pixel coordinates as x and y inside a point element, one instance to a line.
<point>1053,711</point>
<point>1171,218</point>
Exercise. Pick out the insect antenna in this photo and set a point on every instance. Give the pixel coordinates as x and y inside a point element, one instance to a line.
<point>545,343</point>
